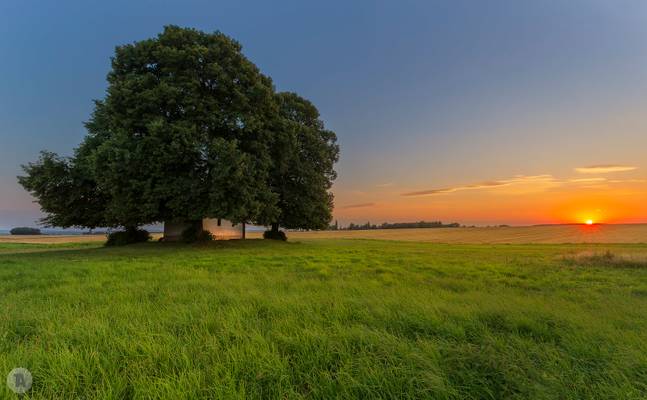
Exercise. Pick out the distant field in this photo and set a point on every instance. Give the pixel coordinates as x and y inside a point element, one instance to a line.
<point>322,319</point>
<point>636,233</point>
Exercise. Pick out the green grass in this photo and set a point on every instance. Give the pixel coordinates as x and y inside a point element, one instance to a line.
<point>324,319</point>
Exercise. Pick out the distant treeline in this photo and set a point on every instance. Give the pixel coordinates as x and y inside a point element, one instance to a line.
<point>23,230</point>
<point>396,225</point>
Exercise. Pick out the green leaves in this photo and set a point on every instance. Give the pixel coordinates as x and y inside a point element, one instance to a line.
<point>189,129</point>
<point>303,171</point>
<point>66,191</point>
<point>187,110</point>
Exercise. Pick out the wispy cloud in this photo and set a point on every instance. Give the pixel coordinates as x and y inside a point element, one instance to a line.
<point>604,169</point>
<point>384,185</point>
<point>360,205</point>
<point>525,184</point>
<point>453,189</point>
<point>519,179</point>
<point>587,180</point>
<point>628,181</point>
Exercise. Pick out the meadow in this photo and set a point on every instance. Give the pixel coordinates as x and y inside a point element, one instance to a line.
<point>325,318</point>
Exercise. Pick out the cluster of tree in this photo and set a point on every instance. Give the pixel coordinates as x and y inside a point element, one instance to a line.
<point>191,129</point>
<point>22,230</point>
<point>397,225</point>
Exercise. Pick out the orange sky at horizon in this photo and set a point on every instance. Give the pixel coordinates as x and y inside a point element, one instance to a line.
<point>519,171</point>
<point>613,195</point>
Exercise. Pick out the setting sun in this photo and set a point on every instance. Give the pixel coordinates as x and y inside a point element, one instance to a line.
<point>589,222</point>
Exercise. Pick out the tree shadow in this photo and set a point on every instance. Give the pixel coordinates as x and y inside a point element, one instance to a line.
<point>90,249</point>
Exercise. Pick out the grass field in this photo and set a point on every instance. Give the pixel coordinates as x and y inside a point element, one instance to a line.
<point>325,318</point>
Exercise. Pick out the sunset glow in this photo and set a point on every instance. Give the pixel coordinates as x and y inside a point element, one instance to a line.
<point>589,222</point>
<point>540,121</point>
<point>515,201</point>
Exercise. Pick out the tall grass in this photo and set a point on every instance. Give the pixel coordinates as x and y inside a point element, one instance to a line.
<point>323,319</point>
<point>608,259</point>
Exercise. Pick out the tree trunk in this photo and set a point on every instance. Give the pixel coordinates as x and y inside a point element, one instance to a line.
<point>275,227</point>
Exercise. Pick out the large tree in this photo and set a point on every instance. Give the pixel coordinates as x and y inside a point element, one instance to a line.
<point>190,129</point>
<point>180,109</point>
<point>304,154</point>
<point>182,134</point>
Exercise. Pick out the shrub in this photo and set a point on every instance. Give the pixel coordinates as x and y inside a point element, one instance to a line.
<point>194,235</point>
<point>275,235</point>
<point>129,236</point>
<point>25,231</point>
<point>205,236</point>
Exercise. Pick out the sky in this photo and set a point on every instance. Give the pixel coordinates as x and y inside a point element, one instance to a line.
<point>499,112</point>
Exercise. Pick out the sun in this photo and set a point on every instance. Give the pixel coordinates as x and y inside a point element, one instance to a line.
<point>589,222</point>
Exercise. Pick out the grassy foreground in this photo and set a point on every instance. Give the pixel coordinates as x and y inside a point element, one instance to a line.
<point>325,319</point>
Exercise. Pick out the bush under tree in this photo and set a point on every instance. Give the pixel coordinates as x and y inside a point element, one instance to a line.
<point>128,236</point>
<point>275,235</point>
<point>195,234</point>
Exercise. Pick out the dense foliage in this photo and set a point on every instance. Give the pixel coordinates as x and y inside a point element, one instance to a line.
<point>129,236</point>
<point>191,129</point>
<point>195,233</point>
<point>66,190</point>
<point>305,154</point>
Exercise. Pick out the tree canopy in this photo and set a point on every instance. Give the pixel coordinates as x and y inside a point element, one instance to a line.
<point>191,129</point>
<point>305,154</point>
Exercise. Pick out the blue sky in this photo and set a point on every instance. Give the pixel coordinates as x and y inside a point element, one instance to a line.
<point>424,95</point>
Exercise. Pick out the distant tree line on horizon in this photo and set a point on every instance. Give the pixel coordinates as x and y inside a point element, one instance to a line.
<point>23,230</point>
<point>396,225</point>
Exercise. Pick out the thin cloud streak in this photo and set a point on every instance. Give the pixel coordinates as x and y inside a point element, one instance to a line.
<point>628,181</point>
<point>519,179</point>
<point>541,181</point>
<point>604,169</point>
<point>360,205</point>
<point>587,180</point>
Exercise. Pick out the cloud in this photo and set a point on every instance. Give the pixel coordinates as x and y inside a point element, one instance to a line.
<point>628,181</point>
<point>604,169</point>
<point>481,185</point>
<point>520,184</point>
<point>383,185</point>
<point>360,205</point>
<point>519,179</point>
<point>587,180</point>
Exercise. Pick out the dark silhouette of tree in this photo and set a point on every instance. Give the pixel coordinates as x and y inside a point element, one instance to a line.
<point>191,129</point>
<point>304,155</point>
